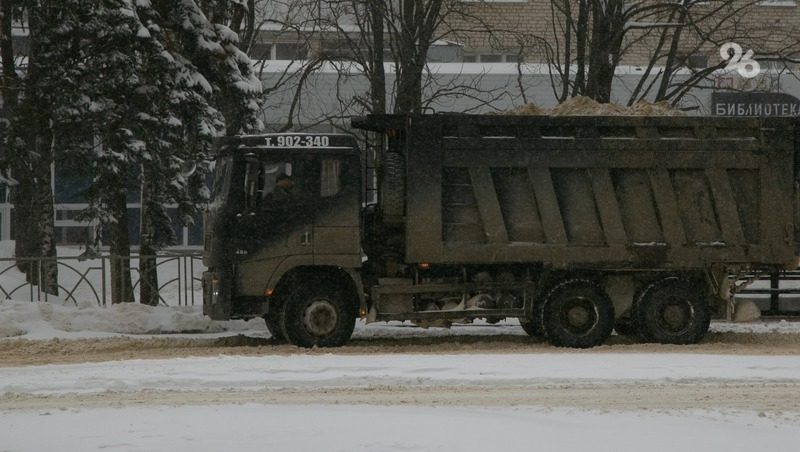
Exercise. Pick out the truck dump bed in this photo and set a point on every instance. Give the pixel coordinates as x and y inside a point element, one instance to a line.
<point>598,192</point>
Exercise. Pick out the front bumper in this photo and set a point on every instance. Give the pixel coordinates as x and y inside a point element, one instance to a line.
<point>216,295</point>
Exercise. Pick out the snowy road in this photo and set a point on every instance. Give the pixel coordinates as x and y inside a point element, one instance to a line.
<point>328,371</point>
<point>72,380</point>
<point>400,402</point>
<point>252,427</point>
<point>591,381</point>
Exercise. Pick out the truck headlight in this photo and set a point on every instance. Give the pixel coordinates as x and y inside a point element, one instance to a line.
<point>214,290</point>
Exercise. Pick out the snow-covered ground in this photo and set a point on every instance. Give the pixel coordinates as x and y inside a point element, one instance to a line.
<point>380,400</point>
<point>247,373</point>
<point>40,320</point>
<point>384,402</point>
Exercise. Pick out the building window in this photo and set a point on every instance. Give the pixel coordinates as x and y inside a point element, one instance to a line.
<point>290,51</point>
<point>694,61</point>
<point>491,58</point>
<point>778,3</point>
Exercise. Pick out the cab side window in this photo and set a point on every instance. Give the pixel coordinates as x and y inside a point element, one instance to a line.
<point>330,184</point>
<point>267,183</point>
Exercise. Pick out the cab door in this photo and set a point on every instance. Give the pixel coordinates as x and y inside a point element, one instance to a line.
<point>275,225</point>
<point>337,216</point>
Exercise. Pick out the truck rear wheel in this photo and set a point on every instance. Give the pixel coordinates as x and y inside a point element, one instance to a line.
<point>319,318</point>
<point>672,311</point>
<point>577,313</point>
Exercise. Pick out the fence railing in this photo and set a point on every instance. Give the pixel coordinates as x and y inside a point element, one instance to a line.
<point>84,280</point>
<point>776,293</point>
<point>88,280</point>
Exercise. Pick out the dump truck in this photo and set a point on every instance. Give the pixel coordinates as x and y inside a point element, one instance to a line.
<point>576,226</point>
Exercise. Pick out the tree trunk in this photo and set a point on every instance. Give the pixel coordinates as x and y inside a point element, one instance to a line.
<point>22,195</point>
<point>412,49</point>
<point>33,212</point>
<point>409,89</point>
<point>608,22</point>
<point>44,213</point>
<point>582,31</point>
<point>33,197</point>
<point>121,285</point>
<point>10,79</point>
<point>148,274</point>
<point>377,11</point>
<point>672,56</point>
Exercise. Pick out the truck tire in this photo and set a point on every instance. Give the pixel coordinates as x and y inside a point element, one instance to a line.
<point>532,327</point>
<point>394,184</point>
<point>625,327</point>
<point>321,318</point>
<point>274,321</point>
<point>672,311</point>
<point>577,313</point>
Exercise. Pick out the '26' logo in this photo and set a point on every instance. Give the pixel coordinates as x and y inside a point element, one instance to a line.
<point>744,64</point>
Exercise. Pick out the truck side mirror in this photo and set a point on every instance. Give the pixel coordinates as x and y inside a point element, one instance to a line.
<point>188,167</point>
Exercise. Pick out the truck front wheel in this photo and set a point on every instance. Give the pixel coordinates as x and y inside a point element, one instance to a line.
<point>274,320</point>
<point>319,318</point>
<point>577,313</point>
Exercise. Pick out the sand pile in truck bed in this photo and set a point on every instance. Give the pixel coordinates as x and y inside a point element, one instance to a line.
<point>584,106</point>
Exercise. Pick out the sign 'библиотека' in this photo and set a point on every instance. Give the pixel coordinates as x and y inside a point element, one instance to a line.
<point>754,104</point>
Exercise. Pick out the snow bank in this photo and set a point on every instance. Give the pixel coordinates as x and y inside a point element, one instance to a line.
<point>38,320</point>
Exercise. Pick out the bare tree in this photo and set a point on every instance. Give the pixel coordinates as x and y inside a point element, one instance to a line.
<point>373,36</point>
<point>590,39</point>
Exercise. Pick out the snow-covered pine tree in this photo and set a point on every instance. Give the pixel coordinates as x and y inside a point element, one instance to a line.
<point>129,91</point>
<point>212,47</point>
<point>177,125</point>
<point>110,84</point>
<point>46,91</point>
<point>177,120</point>
<point>209,74</point>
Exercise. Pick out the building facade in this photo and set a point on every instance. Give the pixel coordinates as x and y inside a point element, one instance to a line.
<point>496,51</point>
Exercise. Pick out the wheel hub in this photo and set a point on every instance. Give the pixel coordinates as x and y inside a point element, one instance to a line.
<point>320,318</point>
<point>579,316</point>
<point>676,315</point>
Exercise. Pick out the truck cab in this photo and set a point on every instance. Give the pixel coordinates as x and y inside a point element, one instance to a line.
<point>284,219</point>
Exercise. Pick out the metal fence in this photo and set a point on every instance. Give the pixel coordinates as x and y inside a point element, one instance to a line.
<point>84,280</point>
<point>88,280</point>
<point>776,294</point>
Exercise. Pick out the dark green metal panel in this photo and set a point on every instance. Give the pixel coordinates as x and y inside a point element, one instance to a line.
<point>600,191</point>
